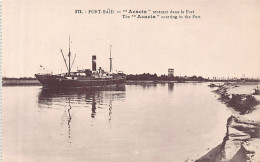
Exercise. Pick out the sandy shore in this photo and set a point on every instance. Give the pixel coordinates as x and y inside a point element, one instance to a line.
<point>242,140</point>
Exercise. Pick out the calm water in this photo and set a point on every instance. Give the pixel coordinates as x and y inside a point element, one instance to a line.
<point>144,122</point>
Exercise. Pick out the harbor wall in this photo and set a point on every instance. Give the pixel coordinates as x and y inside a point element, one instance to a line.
<point>20,82</point>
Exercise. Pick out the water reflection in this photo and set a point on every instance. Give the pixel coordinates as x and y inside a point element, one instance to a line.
<point>93,107</point>
<point>149,85</point>
<point>53,98</point>
<point>170,86</point>
<point>146,85</point>
<point>74,100</point>
<point>110,110</point>
<point>69,119</point>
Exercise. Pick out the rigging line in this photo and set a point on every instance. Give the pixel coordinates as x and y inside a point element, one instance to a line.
<point>73,61</point>
<point>64,59</point>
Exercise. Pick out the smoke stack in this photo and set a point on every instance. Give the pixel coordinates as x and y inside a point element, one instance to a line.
<point>94,65</point>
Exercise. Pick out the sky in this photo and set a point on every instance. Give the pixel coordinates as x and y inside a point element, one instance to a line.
<point>224,42</point>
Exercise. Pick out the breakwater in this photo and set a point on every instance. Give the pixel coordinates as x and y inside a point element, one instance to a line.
<point>19,82</point>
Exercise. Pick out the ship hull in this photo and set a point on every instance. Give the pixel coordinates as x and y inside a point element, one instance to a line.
<point>58,82</point>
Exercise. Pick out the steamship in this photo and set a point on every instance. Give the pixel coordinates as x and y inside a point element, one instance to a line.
<point>86,78</point>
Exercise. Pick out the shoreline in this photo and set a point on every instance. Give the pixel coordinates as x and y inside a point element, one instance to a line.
<point>35,82</point>
<point>243,126</point>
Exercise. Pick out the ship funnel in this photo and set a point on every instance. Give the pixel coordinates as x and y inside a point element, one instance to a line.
<point>94,65</point>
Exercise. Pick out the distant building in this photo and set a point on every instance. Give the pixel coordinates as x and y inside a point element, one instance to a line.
<point>170,72</point>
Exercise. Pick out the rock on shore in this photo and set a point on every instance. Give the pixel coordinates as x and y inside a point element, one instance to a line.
<point>242,140</point>
<point>239,97</point>
<point>240,144</point>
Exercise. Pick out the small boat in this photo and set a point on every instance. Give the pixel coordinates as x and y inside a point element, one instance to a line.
<point>257,91</point>
<point>212,85</point>
<point>90,79</point>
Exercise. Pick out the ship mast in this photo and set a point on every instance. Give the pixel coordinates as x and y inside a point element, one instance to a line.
<point>69,56</point>
<point>110,58</point>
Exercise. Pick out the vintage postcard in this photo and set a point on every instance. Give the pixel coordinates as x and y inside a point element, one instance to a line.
<point>130,81</point>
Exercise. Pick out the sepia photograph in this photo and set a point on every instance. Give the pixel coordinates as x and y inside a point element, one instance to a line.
<point>130,81</point>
